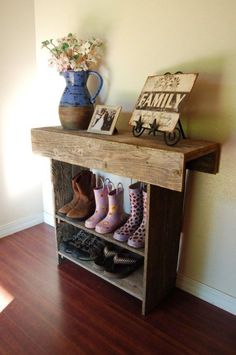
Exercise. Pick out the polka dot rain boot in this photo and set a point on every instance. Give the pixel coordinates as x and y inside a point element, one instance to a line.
<point>101,201</point>
<point>136,205</point>
<point>115,216</point>
<point>137,240</point>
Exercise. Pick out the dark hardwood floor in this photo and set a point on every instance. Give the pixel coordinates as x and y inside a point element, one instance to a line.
<point>67,310</point>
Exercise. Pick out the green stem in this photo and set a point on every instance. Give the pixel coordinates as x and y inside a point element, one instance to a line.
<point>50,50</point>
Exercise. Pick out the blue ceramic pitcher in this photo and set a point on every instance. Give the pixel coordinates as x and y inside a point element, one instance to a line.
<point>76,104</point>
<point>76,92</point>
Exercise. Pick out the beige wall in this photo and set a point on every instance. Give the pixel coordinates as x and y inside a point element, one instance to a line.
<point>20,187</point>
<point>147,37</point>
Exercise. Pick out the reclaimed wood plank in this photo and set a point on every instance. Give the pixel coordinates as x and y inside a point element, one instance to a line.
<point>206,164</point>
<point>141,163</point>
<point>164,210</point>
<point>185,146</point>
<point>146,159</point>
<point>131,284</point>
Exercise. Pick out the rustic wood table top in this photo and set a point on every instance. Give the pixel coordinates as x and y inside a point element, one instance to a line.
<point>145,158</point>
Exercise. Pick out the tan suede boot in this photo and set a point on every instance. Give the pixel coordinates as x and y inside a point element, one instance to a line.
<point>67,207</point>
<point>85,206</point>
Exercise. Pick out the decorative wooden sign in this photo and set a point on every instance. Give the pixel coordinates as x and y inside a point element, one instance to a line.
<point>159,104</point>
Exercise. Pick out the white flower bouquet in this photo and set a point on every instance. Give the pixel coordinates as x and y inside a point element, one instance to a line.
<point>71,53</point>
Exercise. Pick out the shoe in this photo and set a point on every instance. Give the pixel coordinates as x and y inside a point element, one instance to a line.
<point>136,205</point>
<point>115,216</point>
<point>123,265</point>
<point>87,247</point>
<point>67,207</point>
<point>101,202</point>
<point>65,247</point>
<point>68,242</point>
<point>137,239</point>
<point>85,205</point>
<point>106,257</point>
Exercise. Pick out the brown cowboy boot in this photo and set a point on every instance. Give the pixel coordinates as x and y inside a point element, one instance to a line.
<point>67,207</point>
<point>85,206</point>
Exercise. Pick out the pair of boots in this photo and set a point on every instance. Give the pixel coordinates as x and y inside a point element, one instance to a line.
<point>82,205</point>
<point>134,229</point>
<point>109,214</point>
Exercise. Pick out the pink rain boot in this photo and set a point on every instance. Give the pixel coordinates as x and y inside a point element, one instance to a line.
<point>136,203</point>
<point>101,201</point>
<point>116,216</point>
<point>138,238</point>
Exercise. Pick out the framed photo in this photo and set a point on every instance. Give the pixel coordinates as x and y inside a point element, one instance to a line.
<point>104,119</point>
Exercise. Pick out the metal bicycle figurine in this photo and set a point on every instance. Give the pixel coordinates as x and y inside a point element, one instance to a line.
<point>170,138</point>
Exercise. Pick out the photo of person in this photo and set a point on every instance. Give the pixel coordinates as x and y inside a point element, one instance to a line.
<point>104,119</point>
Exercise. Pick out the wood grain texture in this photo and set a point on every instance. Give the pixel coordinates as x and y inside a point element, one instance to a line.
<point>165,208</point>
<point>67,310</point>
<point>62,175</point>
<point>206,164</point>
<point>146,159</point>
<point>133,284</point>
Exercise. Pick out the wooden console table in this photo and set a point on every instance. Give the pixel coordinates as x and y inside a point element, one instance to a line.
<point>146,159</point>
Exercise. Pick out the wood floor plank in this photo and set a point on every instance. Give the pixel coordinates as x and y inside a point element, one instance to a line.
<point>13,340</point>
<point>66,310</point>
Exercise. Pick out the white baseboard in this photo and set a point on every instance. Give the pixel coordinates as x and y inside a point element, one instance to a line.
<point>206,293</point>
<point>20,224</point>
<point>49,219</point>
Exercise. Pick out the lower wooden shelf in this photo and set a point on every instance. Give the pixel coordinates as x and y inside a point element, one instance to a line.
<point>133,284</point>
<point>106,237</point>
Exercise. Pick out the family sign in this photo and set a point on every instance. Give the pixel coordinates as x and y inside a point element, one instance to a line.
<point>161,100</point>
